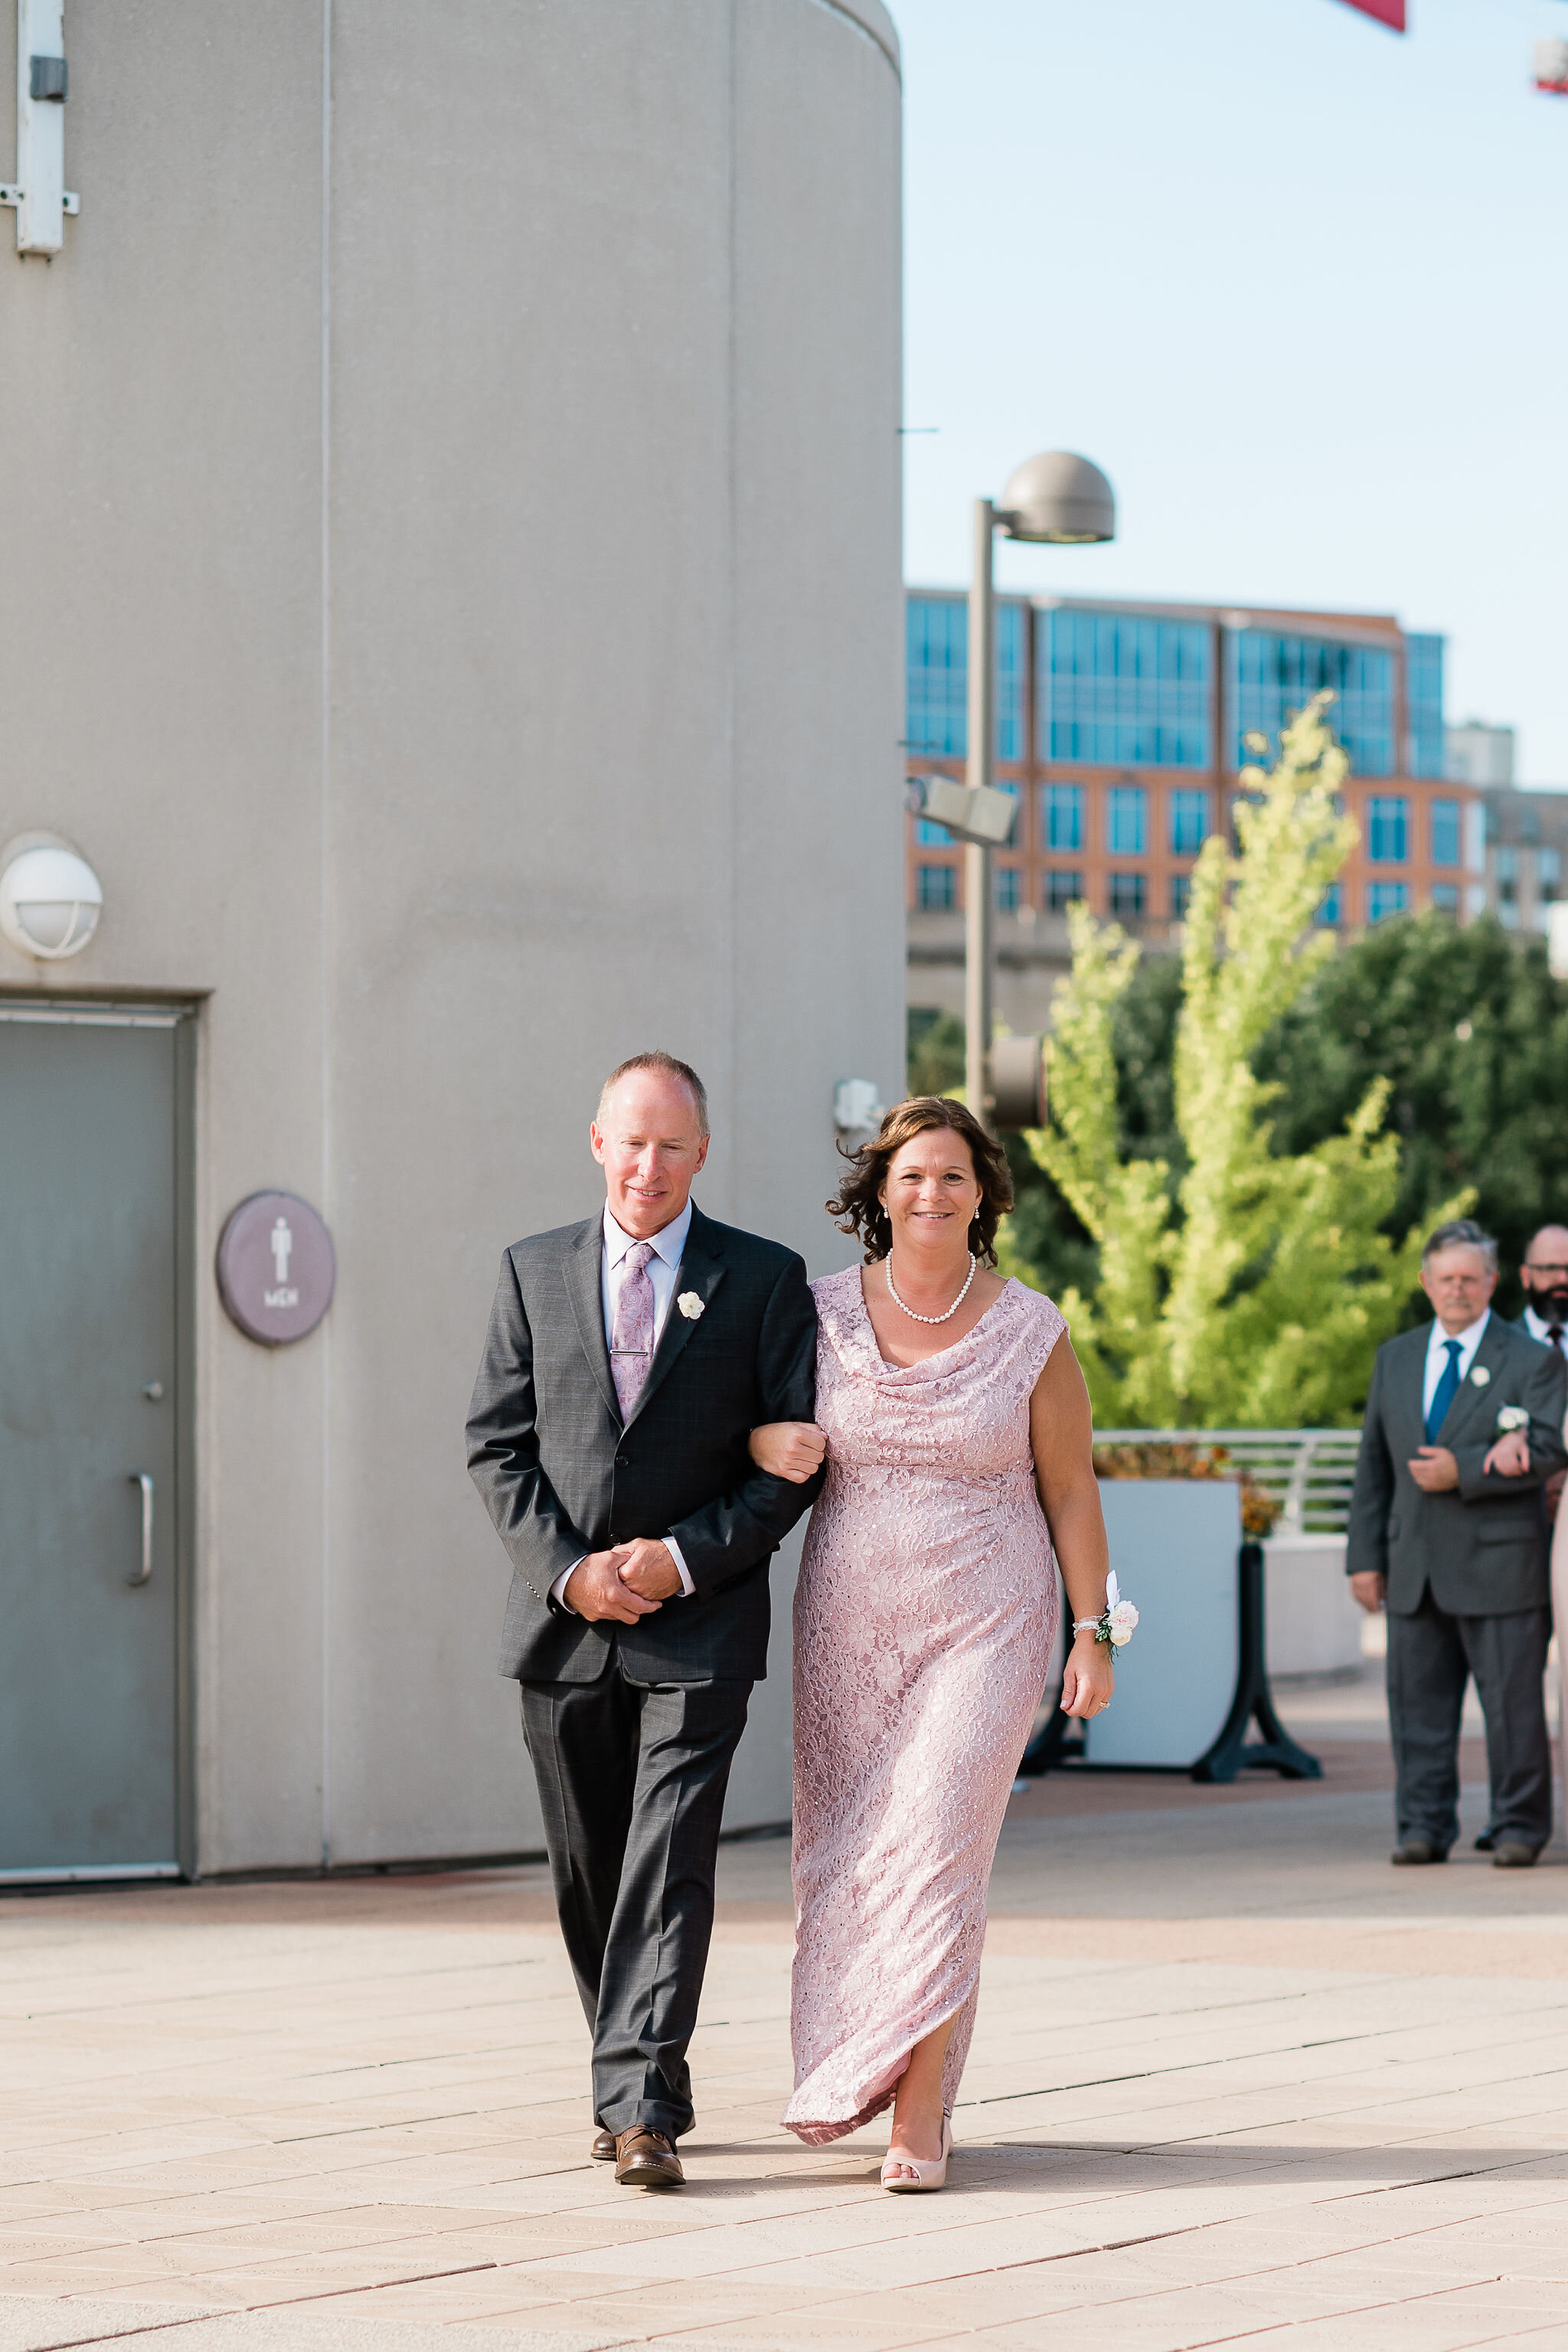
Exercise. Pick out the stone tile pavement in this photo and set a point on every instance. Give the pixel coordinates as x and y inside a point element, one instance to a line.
<point>1234,2083</point>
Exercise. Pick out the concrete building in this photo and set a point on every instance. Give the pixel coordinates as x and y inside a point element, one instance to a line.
<point>1527,857</point>
<point>1477,753</point>
<point>453,548</point>
<point>1119,727</point>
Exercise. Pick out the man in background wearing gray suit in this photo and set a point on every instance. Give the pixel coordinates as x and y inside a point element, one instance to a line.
<point>1458,1552</point>
<point>628,1360</point>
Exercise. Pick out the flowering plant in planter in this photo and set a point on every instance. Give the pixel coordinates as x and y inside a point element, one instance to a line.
<point>1182,1458</point>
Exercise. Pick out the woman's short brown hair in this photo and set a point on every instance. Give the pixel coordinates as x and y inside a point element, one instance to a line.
<point>857,1200</point>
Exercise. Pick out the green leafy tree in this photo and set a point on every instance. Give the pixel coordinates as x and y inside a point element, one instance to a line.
<point>1251,1286</point>
<point>1471,1031</point>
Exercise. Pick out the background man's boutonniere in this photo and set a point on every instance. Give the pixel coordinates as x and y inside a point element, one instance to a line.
<point>691,1305</point>
<point>1481,1376</point>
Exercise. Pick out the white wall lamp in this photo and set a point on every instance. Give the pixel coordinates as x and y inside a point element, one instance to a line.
<point>856,1112</point>
<point>39,195</point>
<point>51,898</point>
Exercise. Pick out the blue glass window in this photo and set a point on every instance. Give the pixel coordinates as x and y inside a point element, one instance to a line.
<point>932,837</point>
<point>936,644</point>
<point>1269,677</point>
<point>936,654</point>
<point>1122,690</point>
<point>1010,641</point>
<point>1329,905</point>
<point>1388,830</point>
<point>1445,833</point>
<point>1446,898</point>
<point>1189,821</point>
<point>1181,895</point>
<point>1127,894</point>
<point>1062,817</point>
<point>936,888</point>
<point>1383,899</point>
<point>1424,702</point>
<point>1007,880</point>
<point>1126,808</point>
<point>1061,890</point>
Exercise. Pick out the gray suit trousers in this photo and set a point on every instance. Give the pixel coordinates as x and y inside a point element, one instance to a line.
<point>631,1781</point>
<point>1431,1655</point>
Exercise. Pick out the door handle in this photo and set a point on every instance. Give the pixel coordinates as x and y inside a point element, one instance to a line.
<point>143,1479</point>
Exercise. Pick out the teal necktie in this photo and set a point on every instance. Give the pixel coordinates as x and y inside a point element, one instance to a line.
<point>1443,1393</point>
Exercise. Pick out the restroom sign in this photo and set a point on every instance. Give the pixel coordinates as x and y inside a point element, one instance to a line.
<point>276,1269</point>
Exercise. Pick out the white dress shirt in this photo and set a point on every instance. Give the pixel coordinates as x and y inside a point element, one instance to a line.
<point>1537,1329</point>
<point>669,1245</point>
<point>1469,1340</point>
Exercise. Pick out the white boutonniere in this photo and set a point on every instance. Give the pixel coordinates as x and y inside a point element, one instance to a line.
<point>691,1305</point>
<point>1481,1376</point>
<point>1512,1416</point>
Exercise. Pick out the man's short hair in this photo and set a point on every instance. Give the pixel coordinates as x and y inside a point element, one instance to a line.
<point>667,1066</point>
<point>1462,1233</point>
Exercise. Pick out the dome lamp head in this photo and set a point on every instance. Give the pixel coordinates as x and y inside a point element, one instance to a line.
<point>1057,499</point>
<point>50,902</point>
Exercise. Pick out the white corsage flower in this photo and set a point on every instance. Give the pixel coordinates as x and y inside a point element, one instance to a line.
<point>1481,1376</point>
<point>1123,1618</point>
<point>1512,1416</point>
<point>691,1305</point>
<point>1114,1627</point>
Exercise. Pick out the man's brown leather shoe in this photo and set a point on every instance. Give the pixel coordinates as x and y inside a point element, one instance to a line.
<point>1512,1854</point>
<point>647,2159</point>
<point>604,2148</point>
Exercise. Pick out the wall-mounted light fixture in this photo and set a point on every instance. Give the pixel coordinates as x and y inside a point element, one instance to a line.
<point>856,1112</point>
<point>51,898</point>
<point>39,193</point>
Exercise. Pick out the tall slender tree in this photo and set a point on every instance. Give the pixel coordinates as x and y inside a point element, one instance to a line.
<point>1255,1289</point>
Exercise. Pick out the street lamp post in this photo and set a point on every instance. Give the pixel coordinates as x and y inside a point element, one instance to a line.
<point>1055,499</point>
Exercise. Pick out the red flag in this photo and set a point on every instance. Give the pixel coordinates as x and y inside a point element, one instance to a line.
<point>1387,11</point>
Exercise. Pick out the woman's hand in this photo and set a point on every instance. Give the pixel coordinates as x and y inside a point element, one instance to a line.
<point>1510,1458</point>
<point>1089,1678</point>
<point>788,1449</point>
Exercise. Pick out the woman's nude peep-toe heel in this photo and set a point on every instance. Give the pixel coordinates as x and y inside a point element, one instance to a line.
<point>927,2174</point>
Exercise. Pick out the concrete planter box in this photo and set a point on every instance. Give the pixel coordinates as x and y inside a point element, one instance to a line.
<point>1174,1545</point>
<point>1312,1625</point>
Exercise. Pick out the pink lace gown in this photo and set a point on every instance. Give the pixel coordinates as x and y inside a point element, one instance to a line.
<point>924,1623</point>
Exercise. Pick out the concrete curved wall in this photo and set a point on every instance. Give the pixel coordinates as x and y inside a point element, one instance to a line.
<point>460,522</point>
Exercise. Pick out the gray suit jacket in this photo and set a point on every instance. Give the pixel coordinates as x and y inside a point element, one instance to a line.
<point>1481,1547</point>
<point>560,1476</point>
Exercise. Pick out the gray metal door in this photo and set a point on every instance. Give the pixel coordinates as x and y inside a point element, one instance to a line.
<point>88,1624</point>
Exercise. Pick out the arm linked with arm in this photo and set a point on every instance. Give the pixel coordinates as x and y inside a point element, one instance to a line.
<point>733,1533</point>
<point>1542,1396</point>
<point>503,1449</point>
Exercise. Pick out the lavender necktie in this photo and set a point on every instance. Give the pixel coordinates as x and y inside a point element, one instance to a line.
<point>631,1330</point>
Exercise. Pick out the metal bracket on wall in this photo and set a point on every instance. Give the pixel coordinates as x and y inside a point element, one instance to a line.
<point>39,195</point>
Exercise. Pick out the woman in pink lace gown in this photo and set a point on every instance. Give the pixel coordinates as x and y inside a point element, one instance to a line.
<point>957,1433</point>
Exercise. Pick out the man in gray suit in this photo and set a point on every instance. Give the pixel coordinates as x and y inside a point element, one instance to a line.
<point>628,1360</point>
<point>1457,1553</point>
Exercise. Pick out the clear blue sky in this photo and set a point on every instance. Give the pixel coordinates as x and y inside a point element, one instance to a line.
<point>1299,285</point>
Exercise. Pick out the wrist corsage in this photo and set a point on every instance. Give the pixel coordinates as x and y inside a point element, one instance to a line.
<point>1114,1625</point>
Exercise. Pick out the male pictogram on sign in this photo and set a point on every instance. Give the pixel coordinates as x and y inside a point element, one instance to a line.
<point>275,1268</point>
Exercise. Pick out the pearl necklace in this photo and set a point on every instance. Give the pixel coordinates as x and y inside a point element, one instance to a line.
<point>888,1270</point>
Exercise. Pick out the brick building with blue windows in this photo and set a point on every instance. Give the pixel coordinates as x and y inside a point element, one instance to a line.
<point>1119,727</point>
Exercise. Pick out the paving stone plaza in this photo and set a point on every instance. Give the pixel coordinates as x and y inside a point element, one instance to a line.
<point>1235,2082</point>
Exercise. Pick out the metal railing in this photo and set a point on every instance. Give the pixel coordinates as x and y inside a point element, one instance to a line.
<point>1308,1471</point>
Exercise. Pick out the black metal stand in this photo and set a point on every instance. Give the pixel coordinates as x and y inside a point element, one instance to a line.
<point>1275,1751</point>
<point>1051,1745</point>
